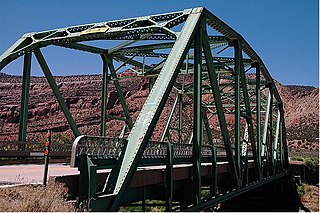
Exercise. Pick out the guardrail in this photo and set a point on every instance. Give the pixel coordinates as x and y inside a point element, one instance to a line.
<point>12,149</point>
<point>97,147</point>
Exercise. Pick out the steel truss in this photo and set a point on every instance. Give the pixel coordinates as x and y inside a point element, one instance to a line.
<point>211,70</point>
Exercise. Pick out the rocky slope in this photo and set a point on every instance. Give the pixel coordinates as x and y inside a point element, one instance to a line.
<point>82,96</point>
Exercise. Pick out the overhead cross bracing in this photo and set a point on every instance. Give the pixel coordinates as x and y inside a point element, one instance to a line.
<point>223,96</point>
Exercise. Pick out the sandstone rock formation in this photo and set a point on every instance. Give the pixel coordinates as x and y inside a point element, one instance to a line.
<point>82,95</point>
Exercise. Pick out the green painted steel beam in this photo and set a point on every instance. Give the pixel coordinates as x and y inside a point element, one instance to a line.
<point>180,117</point>
<point>258,117</point>
<point>56,92</point>
<point>82,47</point>
<point>109,61</point>
<point>13,52</point>
<point>169,177</point>
<point>149,115</point>
<point>197,116</point>
<point>214,175</point>
<point>275,150</point>
<point>23,117</point>
<point>271,134</point>
<point>220,110</point>
<point>92,180</point>
<point>284,141</point>
<point>237,55</point>
<point>161,46</point>
<point>266,125</point>
<point>167,126</point>
<point>104,97</point>
<point>248,114</point>
<point>281,143</point>
<point>131,62</point>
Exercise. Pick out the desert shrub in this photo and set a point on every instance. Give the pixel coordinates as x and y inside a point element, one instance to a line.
<point>160,208</point>
<point>35,199</point>
<point>312,163</point>
<point>312,170</point>
<point>300,190</point>
<point>205,193</point>
<point>58,138</point>
<point>296,158</point>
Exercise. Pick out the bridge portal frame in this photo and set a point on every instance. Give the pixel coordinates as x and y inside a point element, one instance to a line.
<point>269,152</point>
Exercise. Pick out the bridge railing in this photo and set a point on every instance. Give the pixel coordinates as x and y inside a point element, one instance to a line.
<point>11,149</point>
<point>98,147</point>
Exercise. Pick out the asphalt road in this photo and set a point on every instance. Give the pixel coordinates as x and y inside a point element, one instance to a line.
<point>31,173</point>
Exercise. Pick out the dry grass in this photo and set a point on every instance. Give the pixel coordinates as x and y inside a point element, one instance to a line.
<point>35,199</point>
<point>311,198</point>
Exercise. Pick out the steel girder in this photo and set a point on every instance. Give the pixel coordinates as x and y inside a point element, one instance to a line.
<point>192,66</point>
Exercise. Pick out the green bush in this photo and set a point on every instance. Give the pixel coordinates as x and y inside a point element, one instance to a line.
<point>312,162</point>
<point>312,170</point>
<point>58,138</point>
<point>300,190</point>
<point>295,158</point>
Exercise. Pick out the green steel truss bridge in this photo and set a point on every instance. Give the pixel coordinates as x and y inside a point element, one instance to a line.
<point>234,142</point>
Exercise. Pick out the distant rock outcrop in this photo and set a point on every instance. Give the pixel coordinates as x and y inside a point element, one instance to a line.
<point>82,95</point>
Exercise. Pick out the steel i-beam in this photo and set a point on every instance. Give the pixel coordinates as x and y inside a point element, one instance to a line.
<point>218,102</point>
<point>248,111</point>
<point>237,53</point>
<point>104,97</point>
<point>258,117</point>
<point>23,118</point>
<point>197,118</point>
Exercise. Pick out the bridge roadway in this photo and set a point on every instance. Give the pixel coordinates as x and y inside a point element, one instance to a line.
<point>33,173</point>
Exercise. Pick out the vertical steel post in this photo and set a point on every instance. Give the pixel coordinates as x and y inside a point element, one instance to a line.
<point>277,135</point>
<point>248,113</point>
<point>197,117</point>
<point>23,118</point>
<point>284,141</point>
<point>119,90</point>
<point>237,52</point>
<point>180,117</point>
<point>275,150</point>
<point>169,177</point>
<point>281,143</point>
<point>214,175</point>
<point>266,124</point>
<point>218,102</point>
<point>56,92</point>
<point>258,117</point>
<point>271,144</point>
<point>46,156</point>
<point>83,178</point>
<point>92,180</point>
<point>104,98</point>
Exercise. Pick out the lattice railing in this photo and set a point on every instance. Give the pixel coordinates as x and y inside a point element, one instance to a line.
<point>110,148</point>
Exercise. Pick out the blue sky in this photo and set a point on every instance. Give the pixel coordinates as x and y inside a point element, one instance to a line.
<point>283,32</point>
